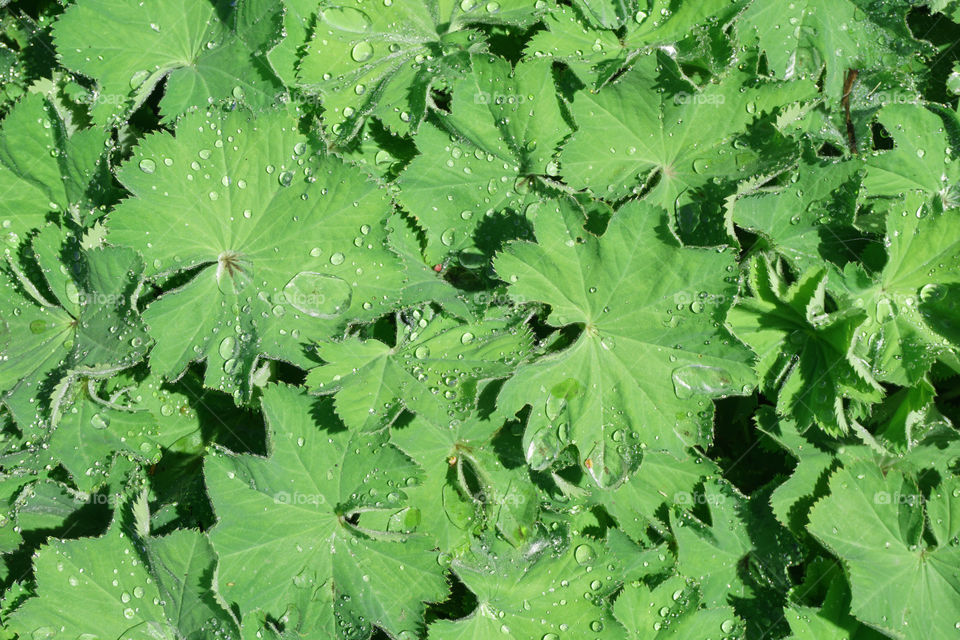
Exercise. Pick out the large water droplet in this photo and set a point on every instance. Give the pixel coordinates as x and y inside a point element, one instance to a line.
<point>933,292</point>
<point>318,295</point>
<point>138,78</point>
<point>584,554</point>
<point>347,19</point>
<point>698,379</point>
<point>361,52</point>
<point>543,448</point>
<point>228,347</point>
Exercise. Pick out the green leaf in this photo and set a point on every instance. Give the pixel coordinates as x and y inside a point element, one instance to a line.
<point>804,37</point>
<point>423,283</point>
<point>43,170</point>
<point>833,620</point>
<point>129,47</point>
<point>651,350</point>
<point>665,135</point>
<point>662,478</point>
<point>804,351</point>
<point>549,589</point>
<point>432,368</point>
<point>445,451</point>
<point>93,587</point>
<point>586,37</point>
<point>90,328</point>
<point>319,488</point>
<point>503,131</point>
<point>384,61</point>
<point>920,160</point>
<point>900,581</point>
<point>710,553</point>
<point>807,221</point>
<point>183,566</point>
<point>900,336</point>
<point>229,200</point>
<point>670,611</point>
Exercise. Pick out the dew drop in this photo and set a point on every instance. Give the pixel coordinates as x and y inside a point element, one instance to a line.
<point>361,52</point>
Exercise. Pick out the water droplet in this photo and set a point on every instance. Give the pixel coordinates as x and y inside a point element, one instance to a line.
<point>231,366</point>
<point>361,52</point>
<point>885,310</point>
<point>318,295</point>
<point>584,554</point>
<point>336,259</point>
<point>347,19</point>
<point>698,379</point>
<point>285,178</point>
<point>933,292</point>
<point>147,165</point>
<point>138,78</point>
<point>98,421</point>
<point>228,347</point>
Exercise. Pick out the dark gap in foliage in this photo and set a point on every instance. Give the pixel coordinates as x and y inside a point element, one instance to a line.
<point>941,32</point>
<point>460,603</point>
<point>737,445</point>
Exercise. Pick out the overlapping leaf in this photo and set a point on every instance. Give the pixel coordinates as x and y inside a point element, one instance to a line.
<point>282,245</point>
<point>319,487</point>
<point>384,61</point>
<point>198,48</point>
<point>651,350</point>
<point>503,131</point>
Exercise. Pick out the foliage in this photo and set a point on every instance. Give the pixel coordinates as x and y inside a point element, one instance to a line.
<point>531,319</point>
